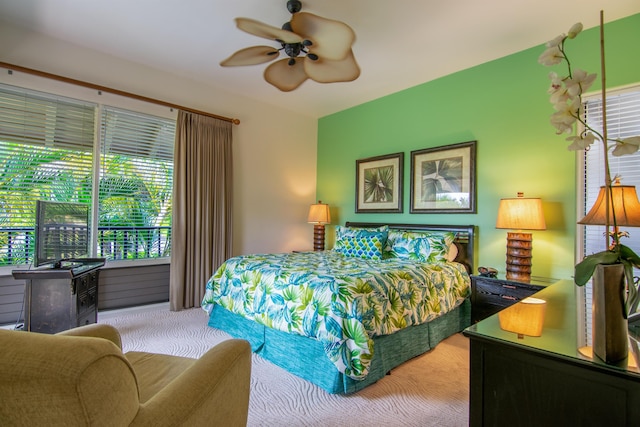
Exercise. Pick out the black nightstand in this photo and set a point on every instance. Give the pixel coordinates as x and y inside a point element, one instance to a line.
<point>490,295</point>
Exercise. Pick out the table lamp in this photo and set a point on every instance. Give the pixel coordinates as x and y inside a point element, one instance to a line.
<point>524,318</point>
<point>519,214</point>
<point>319,215</point>
<point>624,202</point>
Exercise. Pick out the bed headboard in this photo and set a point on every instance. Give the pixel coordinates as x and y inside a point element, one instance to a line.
<point>465,235</point>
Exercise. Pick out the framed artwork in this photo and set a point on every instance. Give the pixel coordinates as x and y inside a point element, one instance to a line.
<point>443,179</point>
<point>379,184</point>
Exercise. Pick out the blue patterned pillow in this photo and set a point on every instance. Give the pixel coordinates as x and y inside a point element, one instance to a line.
<point>342,231</point>
<point>429,246</point>
<point>361,243</point>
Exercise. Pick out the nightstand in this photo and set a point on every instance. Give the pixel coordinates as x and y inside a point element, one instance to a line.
<point>545,381</point>
<point>490,295</point>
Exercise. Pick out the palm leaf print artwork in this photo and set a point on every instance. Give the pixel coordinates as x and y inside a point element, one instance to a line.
<point>378,184</point>
<point>441,177</point>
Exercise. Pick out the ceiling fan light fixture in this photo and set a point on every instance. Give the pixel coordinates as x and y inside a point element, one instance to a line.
<point>294,6</point>
<point>326,44</point>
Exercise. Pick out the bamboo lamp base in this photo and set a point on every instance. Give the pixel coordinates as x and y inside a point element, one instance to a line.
<point>519,256</point>
<point>318,237</point>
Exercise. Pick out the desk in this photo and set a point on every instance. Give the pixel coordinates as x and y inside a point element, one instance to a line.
<point>545,381</point>
<point>57,299</point>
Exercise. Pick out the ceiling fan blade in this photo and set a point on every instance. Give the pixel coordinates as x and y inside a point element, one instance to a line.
<point>331,39</point>
<point>284,76</point>
<point>260,29</point>
<point>327,71</point>
<point>251,56</point>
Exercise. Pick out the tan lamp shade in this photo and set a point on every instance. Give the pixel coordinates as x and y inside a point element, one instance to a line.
<point>625,205</point>
<point>524,318</point>
<point>319,214</point>
<point>521,213</point>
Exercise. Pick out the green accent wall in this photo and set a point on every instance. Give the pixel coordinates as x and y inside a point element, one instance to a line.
<point>504,106</point>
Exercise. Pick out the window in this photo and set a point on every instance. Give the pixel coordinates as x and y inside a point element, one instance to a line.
<point>136,177</point>
<point>623,120</point>
<point>51,149</point>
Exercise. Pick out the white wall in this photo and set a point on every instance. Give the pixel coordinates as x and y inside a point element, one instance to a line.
<point>274,149</point>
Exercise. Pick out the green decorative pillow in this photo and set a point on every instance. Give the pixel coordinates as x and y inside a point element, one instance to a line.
<point>362,244</point>
<point>428,246</point>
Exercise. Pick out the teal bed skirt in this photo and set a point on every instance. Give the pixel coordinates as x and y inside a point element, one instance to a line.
<point>305,357</point>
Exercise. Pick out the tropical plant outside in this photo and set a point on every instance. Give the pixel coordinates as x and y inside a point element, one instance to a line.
<point>134,216</point>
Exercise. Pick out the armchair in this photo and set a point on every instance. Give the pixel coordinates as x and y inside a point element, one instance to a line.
<point>81,377</point>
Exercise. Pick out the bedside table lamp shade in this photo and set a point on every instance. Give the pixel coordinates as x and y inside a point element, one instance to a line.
<point>520,213</point>
<point>524,318</point>
<point>624,202</point>
<point>319,215</point>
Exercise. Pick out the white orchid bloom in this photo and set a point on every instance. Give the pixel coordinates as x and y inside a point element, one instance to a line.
<point>551,56</point>
<point>566,116</point>
<point>575,30</point>
<point>562,121</point>
<point>626,146</point>
<point>581,142</point>
<point>579,82</point>
<point>557,41</point>
<point>558,91</point>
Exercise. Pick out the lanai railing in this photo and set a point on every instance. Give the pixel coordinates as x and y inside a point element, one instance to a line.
<point>114,243</point>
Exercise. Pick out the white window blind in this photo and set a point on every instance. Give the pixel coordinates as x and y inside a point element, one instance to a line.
<point>47,149</point>
<point>623,120</point>
<point>45,153</point>
<point>136,181</point>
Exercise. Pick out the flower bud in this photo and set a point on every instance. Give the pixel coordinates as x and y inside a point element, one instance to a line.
<point>575,30</point>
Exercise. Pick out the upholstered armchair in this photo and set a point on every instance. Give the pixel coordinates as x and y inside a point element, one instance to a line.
<point>81,377</point>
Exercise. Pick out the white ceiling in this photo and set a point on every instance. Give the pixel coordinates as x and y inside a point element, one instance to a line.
<point>399,44</point>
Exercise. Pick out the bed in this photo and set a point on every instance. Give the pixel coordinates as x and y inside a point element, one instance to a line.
<point>343,318</point>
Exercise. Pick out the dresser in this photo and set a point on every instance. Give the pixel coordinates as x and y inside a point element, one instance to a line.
<point>546,381</point>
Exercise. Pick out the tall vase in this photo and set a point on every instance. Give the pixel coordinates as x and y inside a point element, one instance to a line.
<point>610,336</point>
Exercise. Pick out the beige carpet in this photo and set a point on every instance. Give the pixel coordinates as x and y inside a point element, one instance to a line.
<point>430,390</point>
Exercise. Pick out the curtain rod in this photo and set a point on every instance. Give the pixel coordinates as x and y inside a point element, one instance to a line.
<point>111,90</point>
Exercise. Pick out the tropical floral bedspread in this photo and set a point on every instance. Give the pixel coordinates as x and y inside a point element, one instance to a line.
<point>341,301</point>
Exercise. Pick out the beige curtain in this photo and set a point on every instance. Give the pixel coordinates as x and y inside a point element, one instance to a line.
<point>201,226</point>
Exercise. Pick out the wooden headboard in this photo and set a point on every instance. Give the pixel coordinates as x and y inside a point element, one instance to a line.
<point>465,237</point>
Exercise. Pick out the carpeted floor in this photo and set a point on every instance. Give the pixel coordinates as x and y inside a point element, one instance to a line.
<point>430,390</point>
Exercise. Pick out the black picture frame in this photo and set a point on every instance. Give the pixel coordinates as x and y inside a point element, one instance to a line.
<point>443,179</point>
<point>379,182</point>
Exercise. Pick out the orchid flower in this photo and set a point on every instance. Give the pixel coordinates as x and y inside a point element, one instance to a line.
<point>580,142</point>
<point>579,82</point>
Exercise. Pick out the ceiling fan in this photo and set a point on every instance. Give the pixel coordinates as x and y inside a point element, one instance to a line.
<point>317,48</point>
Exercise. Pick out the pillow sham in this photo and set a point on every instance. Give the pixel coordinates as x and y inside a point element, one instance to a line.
<point>342,231</point>
<point>428,246</point>
<point>361,243</point>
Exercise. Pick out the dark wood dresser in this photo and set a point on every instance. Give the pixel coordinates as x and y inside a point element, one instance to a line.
<point>546,381</point>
